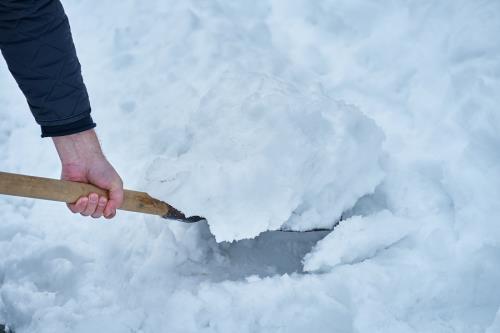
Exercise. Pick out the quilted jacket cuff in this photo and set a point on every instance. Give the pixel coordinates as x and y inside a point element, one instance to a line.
<point>67,129</point>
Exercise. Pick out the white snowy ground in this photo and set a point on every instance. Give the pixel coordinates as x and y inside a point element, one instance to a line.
<point>266,115</point>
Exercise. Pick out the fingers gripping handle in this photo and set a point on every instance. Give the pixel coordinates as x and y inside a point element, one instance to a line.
<point>69,192</point>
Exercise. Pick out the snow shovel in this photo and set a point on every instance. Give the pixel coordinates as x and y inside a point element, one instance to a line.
<point>69,192</point>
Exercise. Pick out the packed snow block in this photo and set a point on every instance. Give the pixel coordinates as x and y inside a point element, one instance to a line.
<point>264,154</point>
<point>357,239</point>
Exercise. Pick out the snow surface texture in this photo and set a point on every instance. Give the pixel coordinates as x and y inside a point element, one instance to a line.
<point>385,112</point>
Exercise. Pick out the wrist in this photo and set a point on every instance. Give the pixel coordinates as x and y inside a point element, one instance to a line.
<point>78,148</point>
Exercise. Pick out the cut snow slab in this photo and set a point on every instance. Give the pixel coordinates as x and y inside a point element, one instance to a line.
<point>357,239</point>
<point>264,154</point>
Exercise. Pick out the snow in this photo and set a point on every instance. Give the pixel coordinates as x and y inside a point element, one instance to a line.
<point>263,116</point>
<point>263,153</point>
<point>355,240</point>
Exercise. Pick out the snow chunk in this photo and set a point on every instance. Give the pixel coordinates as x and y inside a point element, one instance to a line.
<point>357,239</point>
<point>264,153</point>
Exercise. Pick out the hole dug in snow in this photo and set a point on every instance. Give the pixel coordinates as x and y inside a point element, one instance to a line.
<point>270,253</point>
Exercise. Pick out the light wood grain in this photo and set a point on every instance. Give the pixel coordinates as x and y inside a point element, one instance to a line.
<point>69,192</point>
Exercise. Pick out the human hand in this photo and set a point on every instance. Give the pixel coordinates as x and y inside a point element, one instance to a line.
<point>83,161</point>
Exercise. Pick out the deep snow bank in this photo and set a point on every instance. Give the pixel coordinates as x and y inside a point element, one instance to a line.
<point>262,154</point>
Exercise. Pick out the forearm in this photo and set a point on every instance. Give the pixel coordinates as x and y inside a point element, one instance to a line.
<point>77,148</point>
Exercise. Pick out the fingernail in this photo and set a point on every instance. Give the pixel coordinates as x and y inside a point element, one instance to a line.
<point>110,215</point>
<point>102,202</point>
<point>93,198</point>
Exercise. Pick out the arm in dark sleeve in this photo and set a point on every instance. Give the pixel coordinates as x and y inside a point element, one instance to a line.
<point>36,42</point>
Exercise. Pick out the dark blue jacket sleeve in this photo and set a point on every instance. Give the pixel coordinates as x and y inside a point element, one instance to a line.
<point>36,42</point>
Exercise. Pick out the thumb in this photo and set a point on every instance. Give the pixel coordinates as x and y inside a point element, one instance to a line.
<point>115,199</point>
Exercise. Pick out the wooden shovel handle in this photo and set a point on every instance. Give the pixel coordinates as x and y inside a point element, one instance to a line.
<point>69,192</point>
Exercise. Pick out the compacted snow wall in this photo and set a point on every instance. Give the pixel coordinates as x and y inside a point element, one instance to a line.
<point>271,115</point>
<point>262,154</point>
